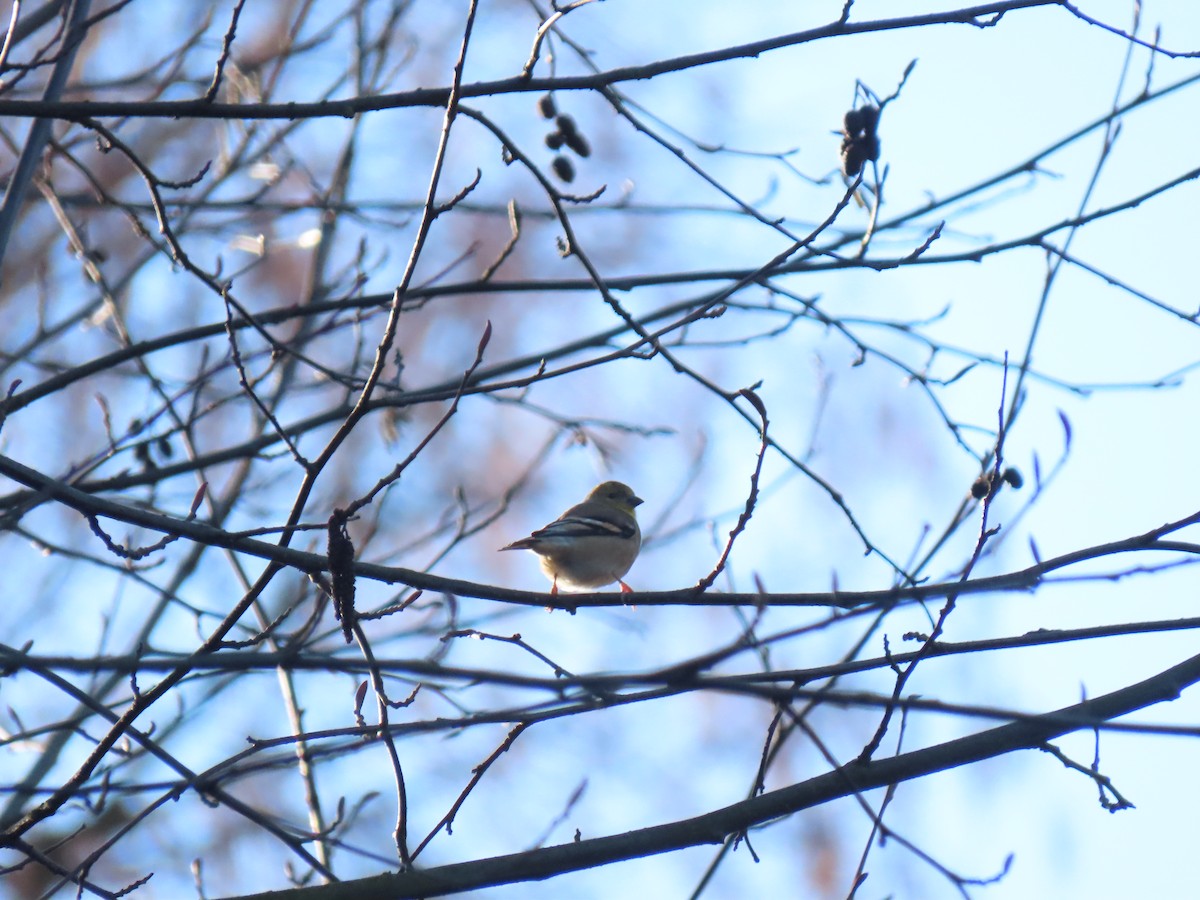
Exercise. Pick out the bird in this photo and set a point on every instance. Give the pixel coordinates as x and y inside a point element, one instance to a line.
<point>592,544</point>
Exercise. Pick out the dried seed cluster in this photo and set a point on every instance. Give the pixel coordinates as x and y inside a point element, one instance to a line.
<point>860,142</point>
<point>983,484</point>
<point>565,134</point>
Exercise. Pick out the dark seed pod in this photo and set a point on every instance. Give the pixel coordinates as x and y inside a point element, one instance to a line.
<point>554,140</point>
<point>566,125</point>
<point>869,146</point>
<point>546,107</point>
<point>852,122</point>
<point>1013,477</point>
<point>578,143</point>
<point>852,158</point>
<point>982,485</point>
<point>563,169</point>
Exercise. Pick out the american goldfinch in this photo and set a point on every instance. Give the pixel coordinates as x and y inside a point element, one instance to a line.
<point>592,544</point>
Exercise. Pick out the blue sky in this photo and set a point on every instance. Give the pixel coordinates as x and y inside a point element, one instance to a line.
<point>978,101</point>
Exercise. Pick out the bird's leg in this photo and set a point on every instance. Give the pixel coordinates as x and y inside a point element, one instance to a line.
<point>625,589</point>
